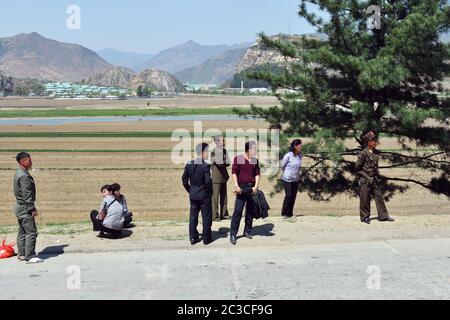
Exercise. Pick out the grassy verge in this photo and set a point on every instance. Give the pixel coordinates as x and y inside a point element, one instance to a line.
<point>114,112</point>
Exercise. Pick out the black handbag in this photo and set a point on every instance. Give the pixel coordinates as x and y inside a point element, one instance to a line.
<point>246,188</point>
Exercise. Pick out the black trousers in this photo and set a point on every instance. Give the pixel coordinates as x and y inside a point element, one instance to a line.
<point>242,200</point>
<point>128,219</point>
<point>366,192</point>
<point>206,208</point>
<point>98,226</point>
<point>290,190</point>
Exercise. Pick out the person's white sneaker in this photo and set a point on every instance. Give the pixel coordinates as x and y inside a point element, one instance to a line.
<point>35,260</point>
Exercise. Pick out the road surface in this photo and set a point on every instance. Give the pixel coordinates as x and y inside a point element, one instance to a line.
<point>386,269</point>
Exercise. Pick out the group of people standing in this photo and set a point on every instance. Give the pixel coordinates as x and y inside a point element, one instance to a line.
<point>206,184</point>
<point>207,188</point>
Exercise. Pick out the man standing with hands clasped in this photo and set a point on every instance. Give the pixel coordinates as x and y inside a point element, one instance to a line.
<point>219,163</point>
<point>25,193</point>
<point>367,169</point>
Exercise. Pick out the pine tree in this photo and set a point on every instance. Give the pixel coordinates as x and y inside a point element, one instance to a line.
<point>372,72</point>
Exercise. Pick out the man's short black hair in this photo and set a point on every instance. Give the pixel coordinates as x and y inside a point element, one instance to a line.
<point>22,155</point>
<point>249,145</point>
<point>201,147</point>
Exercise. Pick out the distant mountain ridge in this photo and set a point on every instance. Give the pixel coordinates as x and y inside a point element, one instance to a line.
<point>187,55</point>
<point>215,70</point>
<point>128,60</point>
<point>34,56</point>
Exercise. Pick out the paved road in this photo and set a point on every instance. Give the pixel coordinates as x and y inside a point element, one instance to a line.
<point>408,269</point>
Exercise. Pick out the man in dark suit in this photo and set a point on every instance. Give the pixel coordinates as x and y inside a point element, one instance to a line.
<point>197,182</point>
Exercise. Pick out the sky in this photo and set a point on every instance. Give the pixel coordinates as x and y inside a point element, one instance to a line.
<point>148,26</point>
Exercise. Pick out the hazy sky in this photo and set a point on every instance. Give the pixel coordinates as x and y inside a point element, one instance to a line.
<point>148,26</point>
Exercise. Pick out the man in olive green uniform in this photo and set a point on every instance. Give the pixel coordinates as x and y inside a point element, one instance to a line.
<point>219,163</point>
<point>25,193</point>
<point>367,168</point>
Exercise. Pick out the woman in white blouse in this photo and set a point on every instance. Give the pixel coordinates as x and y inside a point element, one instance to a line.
<point>291,164</point>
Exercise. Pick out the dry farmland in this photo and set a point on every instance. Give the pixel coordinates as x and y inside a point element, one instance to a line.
<point>184,101</point>
<point>70,171</point>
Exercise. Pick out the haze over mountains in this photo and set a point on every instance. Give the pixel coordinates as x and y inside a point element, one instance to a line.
<point>130,60</point>
<point>187,55</point>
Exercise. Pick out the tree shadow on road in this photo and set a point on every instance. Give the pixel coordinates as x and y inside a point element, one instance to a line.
<point>52,252</point>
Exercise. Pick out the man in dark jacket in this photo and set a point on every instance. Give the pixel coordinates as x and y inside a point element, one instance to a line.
<point>197,182</point>
<point>367,168</point>
<point>25,210</point>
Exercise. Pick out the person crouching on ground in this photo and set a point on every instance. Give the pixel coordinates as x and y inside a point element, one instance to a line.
<point>246,173</point>
<point>128,216</point>
<point>109,219</point>
<point>198,183</point>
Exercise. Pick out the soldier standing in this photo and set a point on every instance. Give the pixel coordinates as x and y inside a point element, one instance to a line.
<point>219,162</point>
<point>25,193</point>
<point>367,168</point>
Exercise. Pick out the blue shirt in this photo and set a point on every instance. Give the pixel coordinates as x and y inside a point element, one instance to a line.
<point>291,165</point>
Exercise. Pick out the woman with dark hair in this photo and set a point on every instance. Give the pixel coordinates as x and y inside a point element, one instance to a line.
<point>291,164</point>
<point>109,219</point>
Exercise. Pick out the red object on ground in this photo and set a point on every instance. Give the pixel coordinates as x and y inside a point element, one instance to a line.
<point>6,250</point>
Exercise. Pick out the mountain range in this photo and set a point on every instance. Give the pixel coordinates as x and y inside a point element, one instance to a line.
<point>187,55</point>
<point>215,70</point>
<point>34,56</point>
